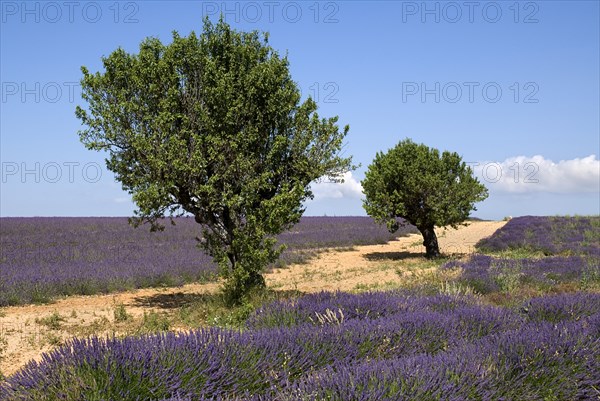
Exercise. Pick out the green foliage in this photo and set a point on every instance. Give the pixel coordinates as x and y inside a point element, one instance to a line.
<point>212,126</point>
<point>153,322</point>
<point>507,276</point>
<point>214,310</point>
<point>233,317</point>
<point>120,313</point>
<point>53,321</point>
<point>422,186</point>
<point>590,279</point>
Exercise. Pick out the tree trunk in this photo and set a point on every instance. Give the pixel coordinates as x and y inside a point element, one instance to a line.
<point>432,249</point>
<point>256,280</point>
<point>232,260</point>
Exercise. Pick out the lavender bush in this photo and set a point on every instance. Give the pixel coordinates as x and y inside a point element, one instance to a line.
<point>536,362</point>
<point>45,257</point>
<point>562,307</point>
<point>342,306</point>
<point>411,347</point>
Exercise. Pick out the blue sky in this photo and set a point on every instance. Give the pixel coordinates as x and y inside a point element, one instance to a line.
<point>511,86</point>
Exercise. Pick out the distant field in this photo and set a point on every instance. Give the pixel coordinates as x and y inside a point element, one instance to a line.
<point>41,258</point>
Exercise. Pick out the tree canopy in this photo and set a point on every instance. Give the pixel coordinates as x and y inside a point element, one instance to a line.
<point>212,126</point>
<point>418,184</point>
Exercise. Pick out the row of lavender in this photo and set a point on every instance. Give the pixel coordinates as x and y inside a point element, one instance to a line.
<point>45,257</point>
<point>372,346</point>
<point>486,274</point>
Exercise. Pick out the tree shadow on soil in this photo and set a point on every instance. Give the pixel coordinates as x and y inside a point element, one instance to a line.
<point>172,300</point>
<point>179,299</point>
<point>393,256</point>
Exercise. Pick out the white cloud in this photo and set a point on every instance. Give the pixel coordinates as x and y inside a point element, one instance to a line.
<point>523,174</point>
<point>350,188</point>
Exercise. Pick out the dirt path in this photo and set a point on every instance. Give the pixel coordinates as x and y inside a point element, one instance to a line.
<point>378,266</point>
<point>33,329</point>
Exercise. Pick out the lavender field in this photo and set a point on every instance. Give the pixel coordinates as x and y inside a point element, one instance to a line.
<point>539,341</point>
<point>41,258</point>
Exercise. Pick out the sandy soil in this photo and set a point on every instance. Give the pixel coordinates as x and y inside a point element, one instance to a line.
<point>376,266</point>
<point>363,268</point>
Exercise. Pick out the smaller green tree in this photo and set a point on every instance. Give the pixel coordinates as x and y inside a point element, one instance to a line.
<point>416,183</point>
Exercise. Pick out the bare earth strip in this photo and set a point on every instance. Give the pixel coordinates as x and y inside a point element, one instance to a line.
<point>376,266</point>
<point>362,268</point>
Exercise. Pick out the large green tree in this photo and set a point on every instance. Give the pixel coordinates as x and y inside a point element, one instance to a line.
<point>212,126</point>
<point>423,187</point>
